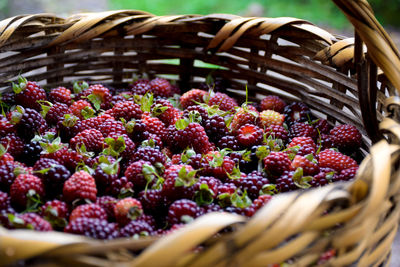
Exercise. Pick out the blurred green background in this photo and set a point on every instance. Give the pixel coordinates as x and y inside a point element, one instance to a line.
<point>320,12</point>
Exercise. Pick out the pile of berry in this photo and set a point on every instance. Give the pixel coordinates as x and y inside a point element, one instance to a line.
<point>102,163</point>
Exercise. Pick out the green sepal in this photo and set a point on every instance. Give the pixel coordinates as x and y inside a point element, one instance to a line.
<point>304,182</point>
<point>125,192</point>
<point>129,126</point>
<point>134,212</point>
<point>224,200</point>
<point>148,143</point>
<point>186,219</point>
<point>181,124</point>
<point>20,86</point>
<point>110,168</point>
<point>96,100</point>
<point>115,146</point>
<point>33,202</point>
<point>268,189</point>
<point>17,114</point>
<point>45,105</point>
<point>52,147</point>
<point>262,152</point>
<point>187,154</point>
<point>79,86</point>
<point>240,201</point>
<point>194,116</point>
<point>15,220</point>
<point>158,109</point>
<point>235,174</point>
<point>204,196</point>
<point>70,120</point>
<point>19,170</point>
<point>87,112</point>
<point>185,178</point>
<point>3,150</point>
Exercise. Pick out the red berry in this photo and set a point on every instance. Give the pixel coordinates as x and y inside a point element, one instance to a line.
<point>60,95</point>
<point>276,132</point>
<point>28,94</point>
<point>250,135</point>
<point>335,160</point>
<point>93,227</point>
<point>140,87</point>
<point>309,167</point>
<point>270,117</point>
<point>223,101</point>
<point>161,87</point>
<point>183,211</point>
<point>346,137</point>
<point>81,109</point>
<point>126,210</point>
<point>25,187</point>
<point>127,110</point>
<point>112,126</point>
<point>276,163</point>
<point>272,102</point>
<point>81,185</point>
<point>35,222</point>
<point>56,113</point>
<point>92,139</point>
<point>136,229</point>
<point>192,96</point>
<point>88,211</point>
<point>303,129</point>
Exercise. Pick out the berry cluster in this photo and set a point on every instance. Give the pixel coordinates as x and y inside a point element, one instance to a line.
<point>94,161</point>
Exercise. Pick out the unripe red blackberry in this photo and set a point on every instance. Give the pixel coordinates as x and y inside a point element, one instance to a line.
<point>56,112</point>
<point>276,163</point>
<point>346,137</point>
<point>223,101</point>
<point>303,129</point>
<point>13,143</point>
<point>108,204</point>
<point>88,211</point>
<point>127,110</point>
<point>61,95</point>
<point>149,154</point>
<point>28,93</point>
<point>140,87</point>
<point>137,175</point>
<point>119,187</point>
<point>35,222</point>
<point>28,122</point>
<point>8,175</point>
<point>25,187</point>
<point>112,126</point>
<point>136,229</point>
<point>56,212</point>
<point>272,102</point>
<point>252,184</point>
<point>92,139</point>
<point>183,211</point>
<point>249,135</point>
<point>276,132</point>
<point>215,127</point>
<point>285,182</point>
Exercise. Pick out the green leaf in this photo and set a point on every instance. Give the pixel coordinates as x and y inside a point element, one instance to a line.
<point>134,212</point>
<point>224,200</point>
<point>17,114</point>
<point>187,154</point>
<point>181,124</point>
<point>235,174</point>
<point>130,125</point>
<point>15,221</point>
<point>298,174</point>
<point>304,182</point>
<point>115,146</point>
<point>96,100</point>
<point>148,143</point>
<point>262,152</point>
<point>194,116</point>
<point>240,201</point>
<point>3,150</point>
<point>87,112</point>
<point>52,147</point>
<point>146,101</point>
<point>159,109</point>
<point>46,105</point>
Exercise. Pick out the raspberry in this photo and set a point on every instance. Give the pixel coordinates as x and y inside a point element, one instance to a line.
<point>250,135</point>
<point>161,87</point>
<point>28,93</point>
<point>223,101</point>
<point>88,211</point>
<point>276,132</point>
<point>82,109</point>
<point>154,126</point>
<point>92,139</point>
<point>215,127</point>
<point>35,222</point>
<point>192,96</point>
<point>56,112</point>
<point>54,175</point>
<point>335,160</point>
<point>285,182</point>
<point>112,126</point>
<point>183,211</point>
<point>80,185</point>
<point>229,141</point>
<point>60,95</point>
<point>252,184</point>
<point>302,129</point>
<point>23,188</point>
<point>276,163</point>
<point>346,137</point>
<point>94,123</point>
<point>296,112</point>
<point>93,227</point>
<point>309,167</point>
<point>140,87</point>
<point>56,212</point>
<point>270,117</point>
<point>13,143</point>
<point>136,229</point>
<point>272,102</point>
<point>164,110</point>
<point>127,110</point>
<point>108,204</point>
<point>126,210</point>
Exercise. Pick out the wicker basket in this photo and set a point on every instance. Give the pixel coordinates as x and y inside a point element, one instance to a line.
<point>339,78</point>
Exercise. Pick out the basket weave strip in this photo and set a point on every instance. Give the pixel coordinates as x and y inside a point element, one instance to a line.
<point>341,79</point>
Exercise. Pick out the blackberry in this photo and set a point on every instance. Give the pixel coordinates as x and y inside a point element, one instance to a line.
<point>13,143</point>
<point>322,126</point>
<point>192,96</point>
<point>347,174</point>
<point>61,95</point>
<point>92,139</point>
<point>203,112</point>
<point>127,110</point>
<point>223,101</point>
<point>229,141</point>
<point>136,229</point>
<point>31,153</point>
<point>325,141</point>
<point>112,126</point>
<point>149,219</point>
<point>140,87</point>
<point>93,123</point>
<point>93,227</point>
<point>35,222</point>
<point>285,182</point>
<point>56,112</point>
<point>121,97</point>
<point>149,154</point>
<point>108,204</point>
<point>252,184</point>
<point>152,201</point>
<point>297,112</point>
<point>155,126</point>
<point>56,212</point>
<point>276,132</point>
<point>177,187</point>
<point>206,189</point>
<point>52,174</point>
<point>8,175</point>
<point>105,172</point>
<point>303,129</point>
<point>6,127</point>
<point>22,187</point>
<point>28,93</point>
<point>272,102</point>
<point>137,175</point>
<point>30,123</point>
<point>249,135</point>
<point>211,208</point>
<point>183,211</point>
<point>346,137</point>
<point>8,98</point>
<point>160,87</point>
<point>276,163</point>
<point>119,187</point>
<point>4,201</point>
